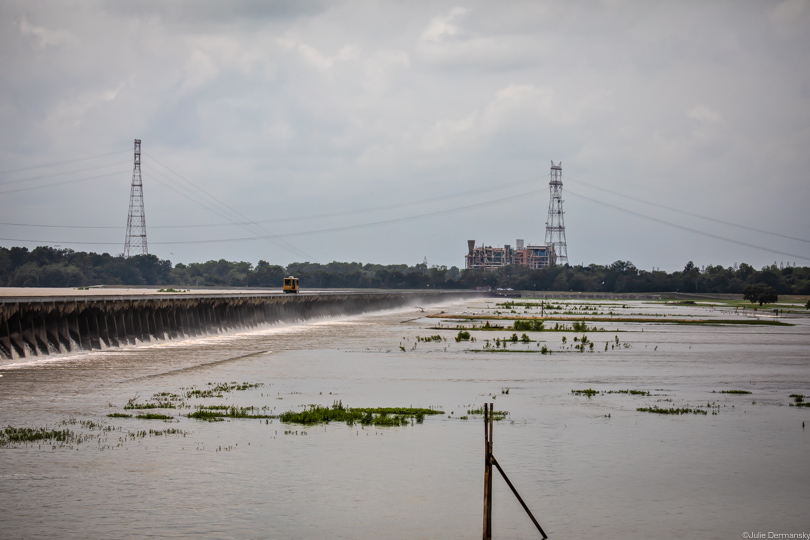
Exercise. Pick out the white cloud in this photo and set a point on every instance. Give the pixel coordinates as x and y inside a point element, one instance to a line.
<point>314,57</point>
<point>359,105</point>
<point>439,29</point>
<point>198,70</point>
<point>45,36</point>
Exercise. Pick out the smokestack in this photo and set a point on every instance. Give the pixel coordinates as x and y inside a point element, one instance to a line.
<point>470,246</point>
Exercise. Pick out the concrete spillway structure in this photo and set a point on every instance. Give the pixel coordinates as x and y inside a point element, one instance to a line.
<point>35,326</point>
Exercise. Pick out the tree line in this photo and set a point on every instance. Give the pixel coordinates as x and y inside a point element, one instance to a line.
<point>50,267</point>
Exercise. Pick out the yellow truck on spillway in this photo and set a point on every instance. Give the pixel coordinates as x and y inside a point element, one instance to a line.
<point>290,285</point>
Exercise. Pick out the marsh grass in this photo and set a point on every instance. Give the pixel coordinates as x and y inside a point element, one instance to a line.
<point>10,436</point>
<point>589,392</point>
<point>496,415</point>
<point>218,389</point>
<point>377,416</point>
<point>142,406</point>
<point>217,413</point>
<point>797,398</point>
<point>733,392</point>
<point>638,319</point>
<point>119,415</point>
<point>154,416</point>
<point>674,411</point>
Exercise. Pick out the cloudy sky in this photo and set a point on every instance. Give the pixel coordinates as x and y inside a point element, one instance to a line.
<point>388,132</point>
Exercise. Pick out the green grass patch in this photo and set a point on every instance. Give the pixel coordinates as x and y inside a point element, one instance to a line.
<point>675,411</point>
<point>589,392</point>
<point>216,413</point>
<point>142,406</point>
<point>630,392</point>
<point>378,416</point>
<point>12,435</point>
<point>119,415</point>
<point>735,392</point>
<point>219,389</point>
<point>496,415</point>
<point>652,320</point>
<point>154,416</point>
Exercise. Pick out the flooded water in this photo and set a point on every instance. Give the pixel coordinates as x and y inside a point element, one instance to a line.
<point>586,466</point>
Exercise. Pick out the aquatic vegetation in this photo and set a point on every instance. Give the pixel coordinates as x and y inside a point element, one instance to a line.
<point>12,435</point>
<point>797,398</point>
<point>216,413</point>
<point>533,325</point>
<point>463,335</point>
<point>579,326</point>
<point>589,392</point>
<point>436,338</point>
<point>141,406</point>
<point>218,389</point>
<point>496,415</point>
<point>676,411</point>
<point>631,392</point>
<point>640,318</point>
<point>119,415</point>
<point>378,416</point>
<point>154,416</point>
<point>734,392</point>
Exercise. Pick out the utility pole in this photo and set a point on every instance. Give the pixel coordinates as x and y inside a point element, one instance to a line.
<point>135,243</point>
<point>555,225</point>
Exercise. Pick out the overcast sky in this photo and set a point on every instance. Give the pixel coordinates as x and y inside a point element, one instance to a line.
<point>389,132</point>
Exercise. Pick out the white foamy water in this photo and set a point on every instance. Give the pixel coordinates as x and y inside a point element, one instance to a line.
<point>585,466</point>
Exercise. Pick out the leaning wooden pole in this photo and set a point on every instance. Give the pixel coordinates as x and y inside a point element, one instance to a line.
<point>487,535</point>
<point>489,461</point>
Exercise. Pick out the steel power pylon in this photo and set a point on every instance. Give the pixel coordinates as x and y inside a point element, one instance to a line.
<point>555,225</point>
<point>135,243</point>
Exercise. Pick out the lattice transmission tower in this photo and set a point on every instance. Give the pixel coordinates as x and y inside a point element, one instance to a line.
<point>555,225</point>
<point>135,243</point>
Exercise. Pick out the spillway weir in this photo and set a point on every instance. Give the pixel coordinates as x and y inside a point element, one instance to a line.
<point>51,324</point>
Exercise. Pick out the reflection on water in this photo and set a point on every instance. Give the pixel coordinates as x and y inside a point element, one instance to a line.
<point>586,466</point>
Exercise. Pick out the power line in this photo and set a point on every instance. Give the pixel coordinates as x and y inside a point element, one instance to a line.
<point>252,226</point>
<point>305,233</point>
<point>278,220</point>
<point>60,173</point>
<point>74,181</point>
<point>60,162</point>
<point>684,228</point>
<point>688,213</point>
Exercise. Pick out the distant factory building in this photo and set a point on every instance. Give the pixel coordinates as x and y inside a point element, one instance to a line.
<point>488,257</point>
<point>553,252</point>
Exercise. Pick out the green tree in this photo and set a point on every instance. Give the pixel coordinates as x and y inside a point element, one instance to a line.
<point>759,292</point>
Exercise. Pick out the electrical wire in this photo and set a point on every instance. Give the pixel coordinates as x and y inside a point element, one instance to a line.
<point>492,202</point>
<point>74,181</point>
<point>60,162</point>
<point>686,212</point>
<point>229,212</point>
<point>62,173</point>
<point>684,228</point>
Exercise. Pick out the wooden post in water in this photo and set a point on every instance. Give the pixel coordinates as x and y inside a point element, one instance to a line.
<point>487,473</point>
<point>489,460</point>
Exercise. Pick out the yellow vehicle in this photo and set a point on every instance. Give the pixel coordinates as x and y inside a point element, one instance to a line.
<point>291,285</point>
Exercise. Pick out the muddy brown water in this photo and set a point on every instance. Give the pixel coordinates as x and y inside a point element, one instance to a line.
<point>586,466</point>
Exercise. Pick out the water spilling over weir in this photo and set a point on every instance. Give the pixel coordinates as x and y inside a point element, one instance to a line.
<point>34,326</point>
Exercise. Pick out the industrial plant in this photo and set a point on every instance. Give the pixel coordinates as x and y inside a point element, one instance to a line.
<point>552,252</point>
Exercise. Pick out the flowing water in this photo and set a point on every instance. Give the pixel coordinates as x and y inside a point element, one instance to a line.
<point>586,466</point>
